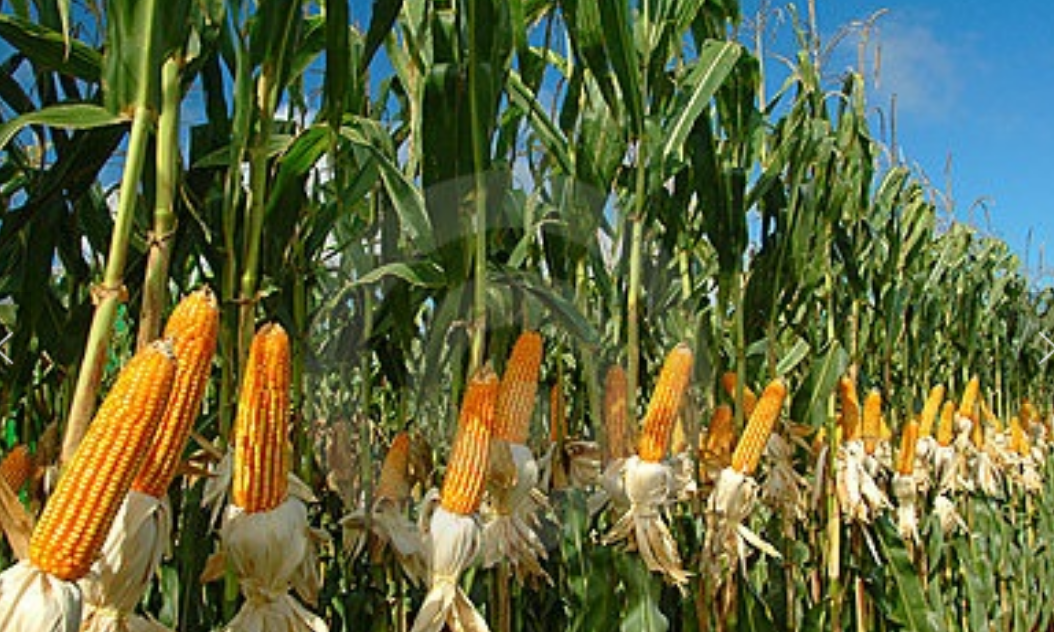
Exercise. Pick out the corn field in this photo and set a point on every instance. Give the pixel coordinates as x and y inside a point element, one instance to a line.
<point>496,315</point>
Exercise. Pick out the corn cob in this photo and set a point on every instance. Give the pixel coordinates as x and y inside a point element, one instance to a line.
<point>752,444</point>
<point>930,410</point>
<point>17,467</point>
<point>720,437</point>
<point>968,405</point>
<point>557,414</point>
<point>678,437</point>
<point>261,427</point>
<point>79,514</point>
<point>990,417</point>
<point>1027,413</point>
<point>850,419</point>
<point>616,422</point>
<point>946,430</point>
<point>466,472</point>
<point>1017,434</point>
<point>872,423</point>
<point>394,481</point>
<point>977,433</point>
<point>192,327</point>
<point>750,400</point>
<point>665,404</point>
<point>519,388</point>
<point>908,443</point>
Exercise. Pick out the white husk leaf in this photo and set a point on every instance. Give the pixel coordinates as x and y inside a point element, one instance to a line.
<point>34,601</point>
<point>783,487</point>
<point>860,497</point>
<point>393,529</point>
<point>648,486</point>
<point>133,550</point>
<point>907,496</point>
<point>511,518</point>
<point>452,543</point>
<point>947,515</point>
<point>267,551</point>
<point>611,491</point>
<point>727,535</point>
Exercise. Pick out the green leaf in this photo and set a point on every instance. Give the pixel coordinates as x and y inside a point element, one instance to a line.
<point>907,604</point>
<point>419,273</point>
<point>405,196</point>
<point>642,597</point>
<point>715,62</point>
<point>66,116</point>
<point>50,49</point>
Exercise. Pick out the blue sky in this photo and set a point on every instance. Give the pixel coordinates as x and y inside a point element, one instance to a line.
<point>973,83</point>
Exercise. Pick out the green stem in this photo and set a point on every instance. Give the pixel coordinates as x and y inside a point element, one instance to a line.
<point>633,297</point>
<point>155,285</point>
<point>111,290</point>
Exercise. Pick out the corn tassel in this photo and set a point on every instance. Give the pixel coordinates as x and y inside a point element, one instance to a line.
<point>261,428</point>
<point>872,424</point>
<point>77,518</point>
<point>908,444</point>
<point>930,410</point>
<point>192,327</point>
<point>616,420</point>
<point>466,472</point>
<point>748,452</point>
<point>519,388</point>
<point>850,419</point>
<point>665,404</point>
<point>17,467</point>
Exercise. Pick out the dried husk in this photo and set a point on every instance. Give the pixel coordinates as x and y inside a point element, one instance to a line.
<point>34,601</point>
<point>783,487</point>
<point>452,543</point>
<point>860,497</point>
<point>727,536</point>
<point>130,556</point>
<point>268,552</point>
<point>511,519</point>
<point>906,493</point>
<point>648,487</point>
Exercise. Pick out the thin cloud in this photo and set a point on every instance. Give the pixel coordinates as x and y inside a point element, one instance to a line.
<point>918,67</point>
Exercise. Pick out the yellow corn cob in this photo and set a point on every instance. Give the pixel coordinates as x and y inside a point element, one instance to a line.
<point>872,424</point>
<point>946,430</point>
<point>1027,413</point>
<point>720,436</point>
<point>850,419</point>
<point>750,400</point>
<point>466,472</point>
<point>192,328</point>
<point>1017,435</point>
<point>557,414</point>
<point>17,467</point>
<point>394,482</point>
<point>519,388</point>
<point>968,405</point>
<point>908,443</point>
<point>977,433</point>
<point>752,444</point>
<point>261,427</point>
<point>79,514</point>
<point>665,404</point>
<point>930,410</point>
<point>616,422</point>
<point>990,417</point>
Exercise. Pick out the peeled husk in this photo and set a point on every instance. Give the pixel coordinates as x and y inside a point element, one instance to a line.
<point>860,497</point>
<point>133,550</point>
<point>452,542</point>
<point>648,487</point>
<point>783,487</point>
<point>511,519</point>
<point>906,493</point>
<point>271,552</point>
<point>34,601</point>
<point>393,530</point>
<point>727,535</point>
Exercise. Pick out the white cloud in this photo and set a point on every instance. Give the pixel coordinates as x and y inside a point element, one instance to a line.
<point>919,67</point>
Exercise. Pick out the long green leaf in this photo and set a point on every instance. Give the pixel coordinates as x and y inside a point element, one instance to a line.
<point>715,62</point>
<point>66,116</point>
